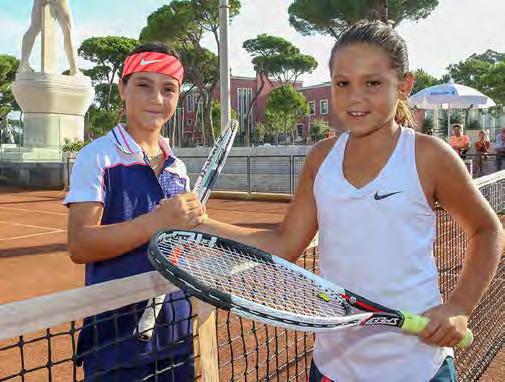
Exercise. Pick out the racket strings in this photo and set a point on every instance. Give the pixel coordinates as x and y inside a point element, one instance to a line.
<point>240,274</point>
<point>213,161</point>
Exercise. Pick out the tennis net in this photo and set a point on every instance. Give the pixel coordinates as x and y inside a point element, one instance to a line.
<point>488,319</point>
<point>38,337</point>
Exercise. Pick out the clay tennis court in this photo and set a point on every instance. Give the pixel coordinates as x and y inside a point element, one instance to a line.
<point>34,260</point>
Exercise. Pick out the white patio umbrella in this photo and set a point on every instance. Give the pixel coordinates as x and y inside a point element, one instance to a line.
<point>450,96</point>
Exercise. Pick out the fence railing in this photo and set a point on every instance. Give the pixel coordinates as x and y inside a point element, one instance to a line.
<point>280,173</point>
<point>267,174</point>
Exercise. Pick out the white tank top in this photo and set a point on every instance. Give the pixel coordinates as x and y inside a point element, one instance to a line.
<point>377,241</point>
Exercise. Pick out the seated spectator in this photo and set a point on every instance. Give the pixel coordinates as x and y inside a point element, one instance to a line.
<point>482,147</point>
<point>499,148</point>
<point>459,142</point>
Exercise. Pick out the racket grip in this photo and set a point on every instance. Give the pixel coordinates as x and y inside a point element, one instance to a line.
<point>414,324</point>
<point>145,328</point>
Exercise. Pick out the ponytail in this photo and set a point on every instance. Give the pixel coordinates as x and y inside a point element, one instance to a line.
<point>404,115</point>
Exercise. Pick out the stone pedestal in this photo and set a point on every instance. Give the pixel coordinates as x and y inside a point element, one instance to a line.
<point>53,107</point>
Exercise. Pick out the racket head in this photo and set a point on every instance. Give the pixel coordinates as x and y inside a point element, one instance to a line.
<point>218,271</point>
<point>215,162</point>
<point>247,281</point>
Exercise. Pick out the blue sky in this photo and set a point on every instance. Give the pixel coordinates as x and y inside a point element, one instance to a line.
<point>455,30</point>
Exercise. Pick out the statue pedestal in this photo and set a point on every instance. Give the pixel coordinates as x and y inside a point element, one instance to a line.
<point>53,107</point>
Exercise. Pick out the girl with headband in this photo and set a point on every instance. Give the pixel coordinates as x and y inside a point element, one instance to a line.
<point>116,187</point>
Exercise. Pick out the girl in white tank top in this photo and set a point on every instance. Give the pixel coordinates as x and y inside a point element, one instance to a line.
<point>377,240</point>
<point>371,194</point>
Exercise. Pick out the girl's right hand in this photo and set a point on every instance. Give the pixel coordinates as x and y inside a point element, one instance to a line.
<point>183,211</point>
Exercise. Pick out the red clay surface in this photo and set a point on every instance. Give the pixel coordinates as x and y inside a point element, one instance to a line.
<point>34,260</point>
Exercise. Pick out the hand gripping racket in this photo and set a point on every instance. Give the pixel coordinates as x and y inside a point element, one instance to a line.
<point>203,187</point>
<point>256,285</point>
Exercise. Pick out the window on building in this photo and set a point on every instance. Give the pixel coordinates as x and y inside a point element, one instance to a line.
<point>299,131</point>
<point>190,121</point>
<point>177,123</point>
<point>190,102</point>
<point>312,105</point>
<point>244,97</point>
<point>323,106</point>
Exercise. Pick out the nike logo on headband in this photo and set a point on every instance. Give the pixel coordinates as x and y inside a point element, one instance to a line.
<point>147,62</point>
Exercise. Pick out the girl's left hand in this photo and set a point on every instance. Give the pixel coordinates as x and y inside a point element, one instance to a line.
<point>447,326</point>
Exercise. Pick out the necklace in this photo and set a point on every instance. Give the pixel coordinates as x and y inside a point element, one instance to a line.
<point>154,157</point>
<point>154,161</point>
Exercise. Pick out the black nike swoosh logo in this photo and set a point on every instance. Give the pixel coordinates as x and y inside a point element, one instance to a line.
<point>384,196</point>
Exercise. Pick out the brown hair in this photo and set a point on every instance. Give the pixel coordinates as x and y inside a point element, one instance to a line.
<point>382,35</point>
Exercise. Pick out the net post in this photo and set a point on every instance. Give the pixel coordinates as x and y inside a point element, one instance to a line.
<point>206,346</point>
<point>291,174</point>
<point>249,186</point>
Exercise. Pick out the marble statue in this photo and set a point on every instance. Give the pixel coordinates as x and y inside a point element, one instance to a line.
<point>60,10</point>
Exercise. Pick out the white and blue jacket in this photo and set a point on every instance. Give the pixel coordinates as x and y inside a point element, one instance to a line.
<point>114,170</point>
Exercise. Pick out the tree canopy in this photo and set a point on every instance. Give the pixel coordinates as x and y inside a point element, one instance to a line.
<point>185,21</point>
<point>484,72</point>
<point>423,80</point>
<point>469,72</point>
<point>285,107</point>
<point>333,16</point>
<point>108,53</point>
<point>490,56</point>
<point>287,69</point>
<point>181,24</point>
<point>264,47</point>
<point>278,58</point>
<point>495,83</point>
<point>216,116</point>
<point>209,18</point>
<point>318,129</point>
<point>8,67</point>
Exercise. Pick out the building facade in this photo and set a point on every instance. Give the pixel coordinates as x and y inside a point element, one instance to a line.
<point>319,99</point>
<point>189,115</point>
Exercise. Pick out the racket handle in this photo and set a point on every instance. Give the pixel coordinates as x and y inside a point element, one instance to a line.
<point>414,324</point>
<point>145,328</point>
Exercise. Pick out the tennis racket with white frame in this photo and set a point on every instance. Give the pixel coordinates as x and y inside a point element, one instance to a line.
<point>203,187</point>
<point>215,162</point>
<point>256,285</point>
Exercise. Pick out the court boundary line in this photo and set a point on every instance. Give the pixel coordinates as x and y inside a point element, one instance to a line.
<point>32,226</point>
<point>34,234</point>
<point>38,211</point>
